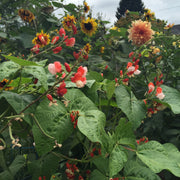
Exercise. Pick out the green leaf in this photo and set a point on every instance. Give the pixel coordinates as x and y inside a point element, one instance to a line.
<point>37,72</point>
<point>124,134</point>
<point>57,4</point>
<point>78,101</point>
<point>102,164</point>
<point>46,165</point>
<point>19,102</point>
<point>134,109</point>
<point>135,170</point>
<point>70,7</point>
<point>172,98</point>
<point>26,39</point>
<point>158,157</point>
<point>91,123</point>
<point>21,62</point>
<point>97,175</point>
<point>8,69</point>
<point>93,75</point>
<point>22,79</point>
<point>116,160</point>
<point>16,165</point>
<point>109,88</point>
<point>2,162</point>
<point>55,121</point>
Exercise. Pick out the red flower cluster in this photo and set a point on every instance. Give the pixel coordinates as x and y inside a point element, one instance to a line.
<point>95,151</point>
<point>61,90</point>
<point>142,140</point>
<point>36,49</point>
<point>74,117</point>
<point>80,77</point>
<point>70,171</point>
<point>55,39</point>
<point>156,107</point>
<point>159,94</point>
<point>40,178</point>
<point>55,67</point>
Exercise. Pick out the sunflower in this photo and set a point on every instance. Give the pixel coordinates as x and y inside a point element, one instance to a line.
<point>148,14</point>
<point>87,48</point>
<point>68,22</point>
<point>140,32</point>
<point>86,7</point>
<point>26,15</point>
<point>5,82</point>
<point>89,26</point>
<point>41,38</point>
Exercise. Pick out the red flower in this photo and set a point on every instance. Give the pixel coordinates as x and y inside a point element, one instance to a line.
<point>62,32</point>
<point>57,50</point>
<point>80,77</point>
<point>85,56</point>
<point>55,39</point>
<point>68,69</point>
<point>49,97</point>
<point>106,67</point>
<point>80,178</point>
<point>151,87</point>
<point>70,42</point>
<point>35,48</point>
<point>61,90</point>
<point>130,54</point>
<point>76,55</point>
<point>121,73</point>
<point>159,93</point>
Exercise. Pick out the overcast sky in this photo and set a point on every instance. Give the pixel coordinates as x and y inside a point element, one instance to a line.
<point>168,10</point>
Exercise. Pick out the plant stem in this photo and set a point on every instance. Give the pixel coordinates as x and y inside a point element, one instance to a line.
<point>39,126</point>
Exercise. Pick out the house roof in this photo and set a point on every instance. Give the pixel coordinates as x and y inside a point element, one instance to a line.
<point>176,29</point>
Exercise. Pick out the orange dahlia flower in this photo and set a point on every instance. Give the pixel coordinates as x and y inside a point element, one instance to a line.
<point>140,32</point>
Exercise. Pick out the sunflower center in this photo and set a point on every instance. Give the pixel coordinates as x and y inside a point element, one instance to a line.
<point>88,26</point>
<point>2,84</point>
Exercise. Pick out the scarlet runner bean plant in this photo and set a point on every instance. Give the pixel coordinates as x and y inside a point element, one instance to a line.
<point>79,104</point>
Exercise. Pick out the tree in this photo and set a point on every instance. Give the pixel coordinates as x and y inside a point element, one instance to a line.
<point>131,5</point>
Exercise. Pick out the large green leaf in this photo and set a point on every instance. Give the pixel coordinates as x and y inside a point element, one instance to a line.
<point>124,134</point>
<point>8,69</point>
<point>78,101</point>
<point>172,98</point>
<point>46,165</point>
<point>117,159</point>
<point>158,157</point>
<point>91,123</point>
<point>134,109</point>
<point>37,72</point>
<point>109,87</point>
<point>16,165</point>
<point>97,175</point>
<point>135,170</point>
<point>102,164</point>
<point>55,122</point>
<point>20,61</point>
<point>19,102</point>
